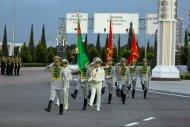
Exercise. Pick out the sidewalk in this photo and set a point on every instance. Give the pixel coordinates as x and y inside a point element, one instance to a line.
<point>173,87</point>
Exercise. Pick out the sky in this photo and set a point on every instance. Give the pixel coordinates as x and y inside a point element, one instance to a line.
<point>39,12</point>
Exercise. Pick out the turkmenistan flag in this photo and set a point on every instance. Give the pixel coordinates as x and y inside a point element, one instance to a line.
<point>82,59</point>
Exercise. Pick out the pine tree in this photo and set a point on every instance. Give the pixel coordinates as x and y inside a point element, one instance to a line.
<point>130,36</point>
<point>98,47</point>
<point>155,51</point>
<point>115,54</point>
<point>148,47</point>
<point>86,45</point>
<point>43,37</point>
<point>4,45</point>
<point>31,43</point>
<point>119,46</point>
<point>41,54</point>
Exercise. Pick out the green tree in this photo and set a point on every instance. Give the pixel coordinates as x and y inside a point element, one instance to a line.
<point>106,41</point>
<point>86,45</point>
<point>40,52</point>
<point>93,52</point>
<point>104,54</point>
<point>119,46</point>
<point>148,47</point>
<point>43,37</point>
<point>70,56</point>
<point>1,52</point>
<point>98,47</point>
<point>115,54</point>
<point>125,53</point>
<point>50,55</point>
<point>31,43</point>
<point>130,36</point>
<point>184,55</point>
<point>25,54</point>
<point>154,61</point>
<point>4,45</point>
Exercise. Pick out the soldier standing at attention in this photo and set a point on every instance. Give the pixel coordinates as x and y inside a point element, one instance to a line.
<point>18,66</point>
<point>109,74</point>
<point>66,78</point>
<point>3,65</point>
<point>124,78</point>
<point>145,76</point>
<point>134,75</point>
<point>97,76</point>
<point>56,84</point>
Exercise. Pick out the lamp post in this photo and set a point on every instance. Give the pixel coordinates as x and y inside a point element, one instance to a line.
<point>13,34</point>
<point>146,22</point>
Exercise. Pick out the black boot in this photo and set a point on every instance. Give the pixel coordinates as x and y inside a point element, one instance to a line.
<point>89,94</point>
<point>84,105</point>
<point>145,92</point>
<point>118,92</point>
<point>48,109</point>
<point>123,98</point>
<point>74,95</point>
<point>61,109</point>
<point>109,99</point>
<point>133,93</point>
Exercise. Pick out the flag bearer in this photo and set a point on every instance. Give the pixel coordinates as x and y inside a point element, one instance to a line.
<point>56,85</point>
<point>66,78</point>
<point>97,76</point>
<point>145,76</point>
<point>124,78</point>
<point>109,75</point>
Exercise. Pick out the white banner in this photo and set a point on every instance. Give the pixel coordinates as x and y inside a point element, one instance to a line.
<point>120,22</point>
<point>152,23</point>
<point>71,22</point>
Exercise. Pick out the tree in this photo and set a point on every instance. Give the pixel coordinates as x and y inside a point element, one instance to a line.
<point>93,52</point>
<point>50,55</point>
<point>115,54</point>
<point>104,54</point>
<point>4,45</point>
<point>31,43</point>
<point>40,52</point>
<point>86,45</point>
<point>98,47</point>
<point>148,46</point>
<point>1,52</point>
<point>119,46</point>
<point>154,61</point>
<point>125,53</point>
<point>130,36</point>
<point>25,54</point>
<point>106,41</point>
<point>43,37</point>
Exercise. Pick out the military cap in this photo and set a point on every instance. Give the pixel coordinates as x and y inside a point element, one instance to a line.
<point>98,60</point>
<point>57,58</point>
<point>122,60</point>
<point>144,60</point>
<point>65,61</point>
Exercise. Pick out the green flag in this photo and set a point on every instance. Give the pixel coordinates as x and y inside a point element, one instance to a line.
<point>82,59</point>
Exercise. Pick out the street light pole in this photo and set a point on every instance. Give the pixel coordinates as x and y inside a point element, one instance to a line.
<point>13,34</point>
<point>146,22</point>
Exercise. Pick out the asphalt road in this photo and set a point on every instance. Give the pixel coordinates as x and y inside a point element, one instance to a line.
<point>23,99</point>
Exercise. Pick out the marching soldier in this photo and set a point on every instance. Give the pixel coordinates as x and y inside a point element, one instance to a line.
<point>145,76</point>
<point>66,78</point>
<point>124,78</point>
<point>56,84</point>
<point>12,62</point>
<point>134,75</point>
<point>8,66</point>
<point>97,76</point>
<point>109,75</point>
<point>15,66</point>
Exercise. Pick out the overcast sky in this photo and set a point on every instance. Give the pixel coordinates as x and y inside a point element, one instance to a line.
<point>47,12</point>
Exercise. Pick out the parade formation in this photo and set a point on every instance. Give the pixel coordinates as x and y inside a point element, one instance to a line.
<point>10,65</point>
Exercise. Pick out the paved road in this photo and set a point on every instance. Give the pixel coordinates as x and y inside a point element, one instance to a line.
<point>23,98</point>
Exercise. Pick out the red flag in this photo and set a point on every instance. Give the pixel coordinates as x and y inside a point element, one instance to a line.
<point>134,54</point>
<point>109,45</point>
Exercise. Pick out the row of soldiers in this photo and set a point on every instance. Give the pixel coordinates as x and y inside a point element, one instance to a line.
<point>93,80</point>
<point>10,65</point>
<point>122,76</point>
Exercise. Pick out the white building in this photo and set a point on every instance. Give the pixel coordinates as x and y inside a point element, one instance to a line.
<point>9,45</point>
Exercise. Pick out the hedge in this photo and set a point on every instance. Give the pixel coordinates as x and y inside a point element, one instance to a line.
<point>185,76</point>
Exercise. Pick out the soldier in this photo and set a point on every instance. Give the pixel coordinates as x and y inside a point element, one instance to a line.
<point>66,78</point>
<point>124,78</point>
<point>134,75</point>
<point>15,65</point>
<point>56,85</point>
<point>8,66</point>
<point>12,62</point>
<point>145,76</point>
<point>18,66</point>
<point>97,76</point>
<point>3,65</point>
<point>109,75</point>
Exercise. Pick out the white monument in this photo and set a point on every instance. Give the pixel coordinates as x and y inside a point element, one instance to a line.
<point>167,18</point>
